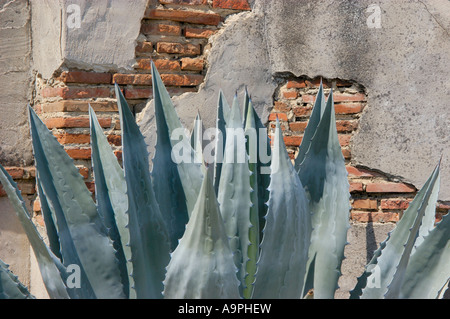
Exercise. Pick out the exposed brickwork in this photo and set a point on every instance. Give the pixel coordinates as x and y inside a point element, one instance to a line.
<point>374,196</point>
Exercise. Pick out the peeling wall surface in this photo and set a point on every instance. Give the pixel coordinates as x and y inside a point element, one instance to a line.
<point>15,82</point>
<point>402,61</point>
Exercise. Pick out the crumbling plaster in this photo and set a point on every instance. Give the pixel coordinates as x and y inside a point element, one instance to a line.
<point>403,65</point>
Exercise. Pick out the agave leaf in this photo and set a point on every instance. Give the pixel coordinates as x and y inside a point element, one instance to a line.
<point>245,107</point>
<point>46,260</point>
<point>83,238</point>
<point>49,221</point>
<point>189,172</point>
<point>202,264</point>
<point>380,271</point>
<point>223,112</point>
<point>287,233</point>
<point>149,238</point>
<point>259,182</point>
<point>316,115</point>
<point>10,285</point>
<point>428,268</point>
<point>112,200</point>
<point>324,177</point>
<point>234,192</point>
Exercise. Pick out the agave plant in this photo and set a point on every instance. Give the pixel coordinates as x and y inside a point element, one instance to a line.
<point>251,226</point>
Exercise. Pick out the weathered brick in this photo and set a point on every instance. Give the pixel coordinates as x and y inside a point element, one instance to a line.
<point>358,97</point>
<point>356,187</point>
<point>365,204</point>
<point>196,17</point>
<point>292,140</point>
<point>231,4</point>
<point>280,116</point>
<point>37,205</point>
<point>281,106</point>
<point>298,126</point>
<point>348,108</point>
<point>389,187</point>
<point>70,122</point>
<point>393,204</point>
<point>161,29</point>
<point>178,48</point>
<point>344,126</point>
<point>192,64</point>
<point>78,106</point>
<point>316,83</point>
<point>15,172</point>
<point>79,153</point>
<point>182,79</point>
<point>85,77</point>
<point>133,79</point>
<point>296,84</point>
<point>138,93</point>
<point>184,2</point>
<point>115,139</point>
<point>68,138</point>
<point>302,111</point>
<point>144,47</point>
<point>199,33</point>
<point>290,95</point>
<point>344,139</point>
<point>76,92</point>
<point>360,172</point>
<point>84,171</point>
<point>164,65</point>
<point>374,217</point>
<point>347,153</point>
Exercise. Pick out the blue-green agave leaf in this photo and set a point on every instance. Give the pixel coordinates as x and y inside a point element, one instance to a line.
<point>234,192</point>
<point>112,200</point>
<point>223,112</point>
<point>202,264</point>
<point>149,237</point>
<point>189,172</point>
<point>49,221</point>
<point>392,255</point>
<point>47,261</point>
<point>313,122</point>
<point>10,285</point>
<point>287,233</point>
<point>245,107</point>
<point>83,237</point>
<point>324,176</point>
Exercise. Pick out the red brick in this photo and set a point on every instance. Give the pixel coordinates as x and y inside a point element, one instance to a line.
<point>344,139</point>
<point>290,95</point>
<point>15,172</point>
<point>343,83</point>
<point>281,117</point>
<point>138,93</point>
<point>76,92</point>
<point>302,111</point>
<point>199,33</point>
<point>134,79</point>
<point>231,4</point>
<point>160,64</point>
<point>360,172</point>
<point>115,139</point>
<point>184,2</point>
<point>281,106</point>
<point>71,122</point>
<point>78,106</point>
<point>298,126</point>
<point>375,217</point>
<point>315,83</point>
<point>178,48</point>
<point>182,79</point>
<point>37,205</point>
<point>84,171</point>
<point>296,84</point>
<point>348,108</point>
<point>292,140</point>
<point>365,204</point>
<point>196,17</point>
<point>160,29</point>
<point>356,187</point>
<point>79,153</point>
<point>392,204</point>
<point>144,47</point>
<point>66,138</point>
<point>308,98</point>
<point>389,187</point>
<point>85,77</point>
<point>344,126</point>
<point>346,153</point>
<point>358,97</point>
<point>192,64</point>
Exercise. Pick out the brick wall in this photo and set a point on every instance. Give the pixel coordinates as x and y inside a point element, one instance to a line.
<point>374,196</point>
<point>174,34</point>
